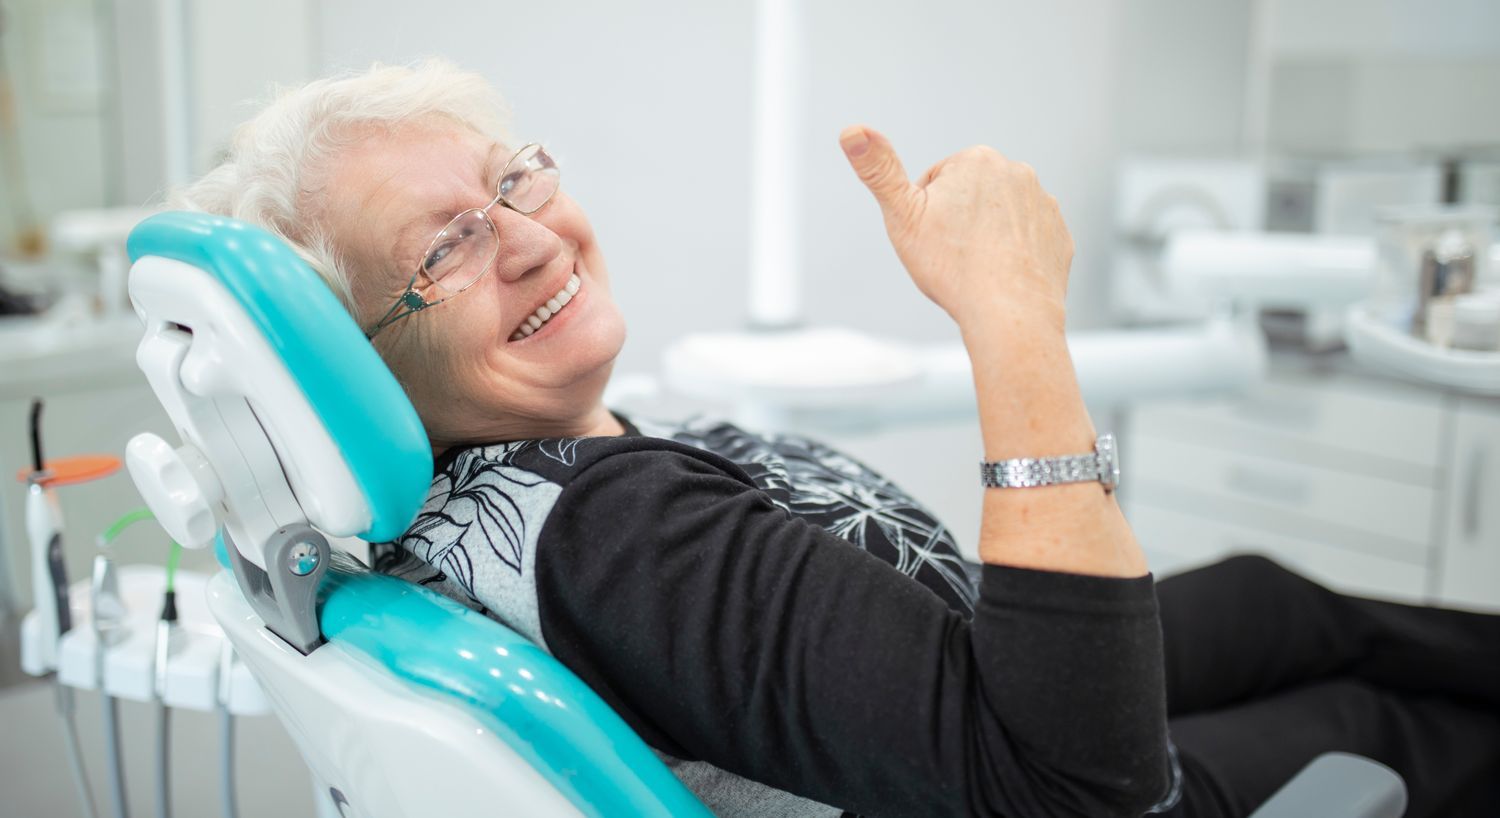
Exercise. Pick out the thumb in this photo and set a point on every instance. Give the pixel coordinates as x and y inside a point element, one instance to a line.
<point>878,166</point>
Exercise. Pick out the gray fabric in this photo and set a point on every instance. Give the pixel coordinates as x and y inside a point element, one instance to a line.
<point>1339,785</point>
<point>728,794</point>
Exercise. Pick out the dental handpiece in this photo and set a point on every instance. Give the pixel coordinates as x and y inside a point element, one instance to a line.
<point>49,572</point>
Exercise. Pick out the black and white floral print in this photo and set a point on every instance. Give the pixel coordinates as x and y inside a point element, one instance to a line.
<point>479,527</point>
<point>483,515</point>
<point>846,498</point>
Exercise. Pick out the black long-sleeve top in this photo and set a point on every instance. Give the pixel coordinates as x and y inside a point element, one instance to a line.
<point>774,609</point>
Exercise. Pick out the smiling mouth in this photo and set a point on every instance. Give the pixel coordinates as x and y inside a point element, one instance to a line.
<point>549,310</point>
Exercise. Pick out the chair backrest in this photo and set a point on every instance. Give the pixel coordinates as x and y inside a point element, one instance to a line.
<point>290,422</point>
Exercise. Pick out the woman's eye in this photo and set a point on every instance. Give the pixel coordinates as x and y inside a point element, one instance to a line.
<point>509,183</point>
<point>437,255</point>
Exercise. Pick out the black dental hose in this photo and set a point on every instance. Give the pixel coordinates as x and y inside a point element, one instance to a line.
<point>164,634</point>
<point>36,435</point>
<point>164,629</point>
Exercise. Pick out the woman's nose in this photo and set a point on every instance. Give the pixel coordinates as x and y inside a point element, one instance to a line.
<point>525,244</point>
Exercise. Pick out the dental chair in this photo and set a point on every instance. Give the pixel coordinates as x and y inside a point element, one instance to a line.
<point>402,702</point>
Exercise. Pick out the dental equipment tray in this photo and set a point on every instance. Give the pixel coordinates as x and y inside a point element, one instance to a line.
<point>1384,347</point>
<point>196,663</point>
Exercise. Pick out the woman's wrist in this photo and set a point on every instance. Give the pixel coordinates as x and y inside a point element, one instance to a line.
<point>985,317</point>
<point>1029,401</point>
<point>1017,340</point>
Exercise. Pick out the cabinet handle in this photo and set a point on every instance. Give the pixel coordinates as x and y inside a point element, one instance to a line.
<point>1471,496</point>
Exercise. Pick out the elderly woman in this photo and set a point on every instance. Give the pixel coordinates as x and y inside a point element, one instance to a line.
<point>789,630</point>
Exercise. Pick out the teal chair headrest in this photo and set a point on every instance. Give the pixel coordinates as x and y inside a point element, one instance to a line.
<point>348,386</point>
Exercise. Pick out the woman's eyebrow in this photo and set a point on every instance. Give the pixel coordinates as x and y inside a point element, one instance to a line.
<point>489,170</point>
<point>422,228</point>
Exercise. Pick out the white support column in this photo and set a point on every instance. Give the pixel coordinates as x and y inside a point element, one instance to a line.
<point>775,167</point>
<point>176,91</point>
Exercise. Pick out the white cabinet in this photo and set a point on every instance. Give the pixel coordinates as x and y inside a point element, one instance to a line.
<point>1367,484</point>
<point>1470,561</point>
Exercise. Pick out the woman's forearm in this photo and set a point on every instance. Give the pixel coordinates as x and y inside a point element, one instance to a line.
<point>1030,406</point>
<point>980,236</point>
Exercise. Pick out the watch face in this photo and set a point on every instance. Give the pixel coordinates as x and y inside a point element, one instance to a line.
<point>1109,462</point>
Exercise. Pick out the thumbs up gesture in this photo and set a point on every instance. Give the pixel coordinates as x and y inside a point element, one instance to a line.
<point>977,233</point>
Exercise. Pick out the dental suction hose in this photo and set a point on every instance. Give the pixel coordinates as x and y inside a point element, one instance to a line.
<point>75,753</point>
<point>109,618</point>
<point>109,613</point>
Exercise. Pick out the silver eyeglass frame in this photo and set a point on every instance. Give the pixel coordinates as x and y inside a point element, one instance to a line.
<point>413,300</point>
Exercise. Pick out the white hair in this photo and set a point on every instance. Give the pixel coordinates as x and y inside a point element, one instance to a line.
<point>270,174</point>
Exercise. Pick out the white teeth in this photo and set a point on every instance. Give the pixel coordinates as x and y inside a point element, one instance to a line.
<point>553,306</point>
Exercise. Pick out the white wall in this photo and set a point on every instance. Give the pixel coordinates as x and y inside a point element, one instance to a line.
<point>1381,76</point>
<point>612,88</point>
<point>647,109</point>
<point>47,51</point>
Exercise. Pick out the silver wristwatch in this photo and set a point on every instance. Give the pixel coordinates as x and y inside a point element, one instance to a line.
<point>1103,464</point>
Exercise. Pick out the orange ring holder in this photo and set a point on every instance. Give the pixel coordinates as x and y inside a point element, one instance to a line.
<point>68,471</point>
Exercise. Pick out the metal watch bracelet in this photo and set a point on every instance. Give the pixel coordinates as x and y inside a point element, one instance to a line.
<point>1102,464</point>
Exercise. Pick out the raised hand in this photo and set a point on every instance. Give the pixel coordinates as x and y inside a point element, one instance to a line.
<point>977,233</point>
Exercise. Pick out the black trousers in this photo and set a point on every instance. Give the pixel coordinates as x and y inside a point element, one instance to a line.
<point>1266,670</point>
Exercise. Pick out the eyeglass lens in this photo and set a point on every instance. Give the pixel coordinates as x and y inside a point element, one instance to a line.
<point>469,244</point>
<point>529,180</point>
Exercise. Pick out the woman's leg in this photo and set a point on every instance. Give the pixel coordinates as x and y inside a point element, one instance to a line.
<point>1246,628</point>
<point>1236,758</point>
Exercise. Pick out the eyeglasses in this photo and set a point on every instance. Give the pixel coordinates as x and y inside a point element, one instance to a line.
<point>463,251</point>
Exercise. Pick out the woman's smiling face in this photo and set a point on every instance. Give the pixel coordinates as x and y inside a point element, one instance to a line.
<point>465,363</point>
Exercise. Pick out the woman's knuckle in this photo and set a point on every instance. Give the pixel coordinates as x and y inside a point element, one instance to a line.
<point>978,154</point>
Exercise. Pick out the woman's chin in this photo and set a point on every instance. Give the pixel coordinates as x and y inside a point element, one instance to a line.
<point>581,355</point>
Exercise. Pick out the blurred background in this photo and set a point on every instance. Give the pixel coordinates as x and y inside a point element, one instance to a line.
<point>1213,158</point>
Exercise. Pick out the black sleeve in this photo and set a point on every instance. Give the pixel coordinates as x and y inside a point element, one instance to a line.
<point>724,629</point>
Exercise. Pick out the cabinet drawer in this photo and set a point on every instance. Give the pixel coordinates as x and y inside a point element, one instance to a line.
<point>1309,423</point>
<point>1470,576</point>
<point>1374,506</point>
<point>1175,541</point>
